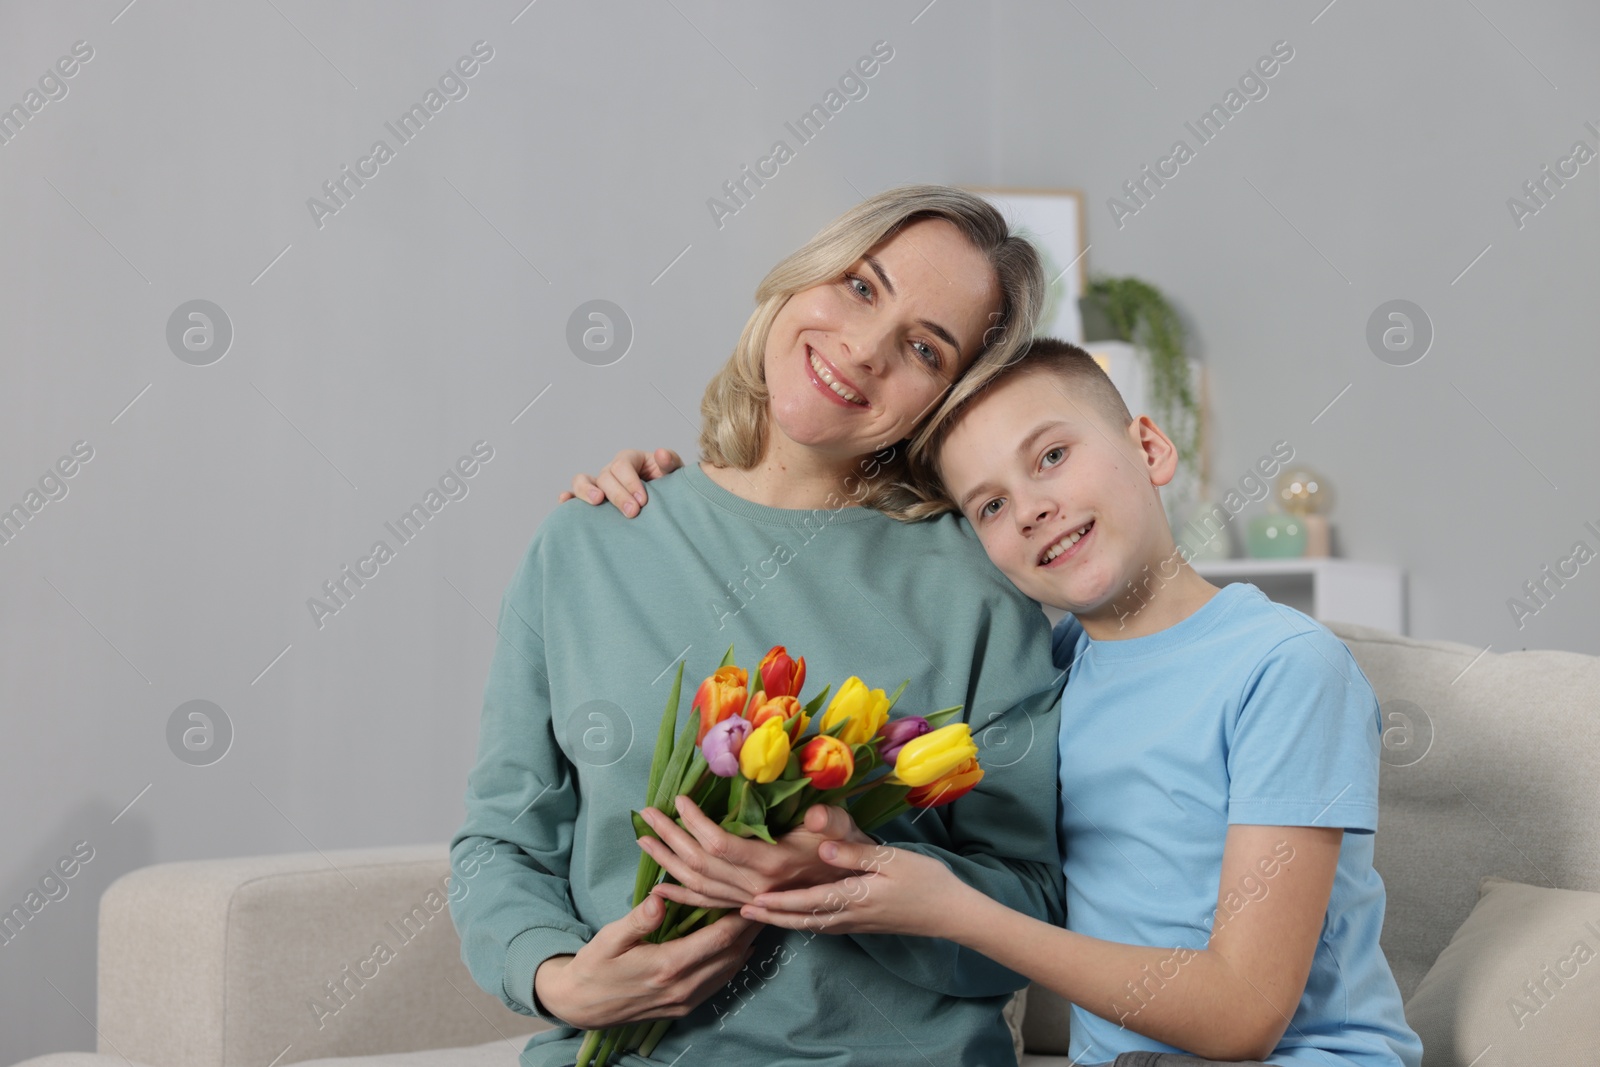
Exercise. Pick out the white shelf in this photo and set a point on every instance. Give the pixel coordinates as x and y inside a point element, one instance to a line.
<point>1343,590</point>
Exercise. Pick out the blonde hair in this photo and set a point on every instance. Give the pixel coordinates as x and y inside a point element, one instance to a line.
<point>734,410</point>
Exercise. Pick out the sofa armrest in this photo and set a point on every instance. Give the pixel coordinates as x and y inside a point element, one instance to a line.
<point>269,960</point>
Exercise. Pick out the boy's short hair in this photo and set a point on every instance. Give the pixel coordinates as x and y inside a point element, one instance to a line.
<point>1075,372</point>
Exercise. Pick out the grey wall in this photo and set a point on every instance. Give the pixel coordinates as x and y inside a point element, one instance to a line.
<point>1378,166</point>
<point>428,312</point>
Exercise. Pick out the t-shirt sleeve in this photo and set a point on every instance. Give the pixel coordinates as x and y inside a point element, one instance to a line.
<point>1303,750</point>
<point>521,801</point>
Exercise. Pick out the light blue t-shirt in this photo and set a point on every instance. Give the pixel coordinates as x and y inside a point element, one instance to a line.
<point>1245,712</point>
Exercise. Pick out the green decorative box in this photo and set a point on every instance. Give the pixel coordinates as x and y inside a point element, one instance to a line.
<point>1277,536</point>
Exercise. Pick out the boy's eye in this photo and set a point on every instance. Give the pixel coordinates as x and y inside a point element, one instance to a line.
<point>991,508</point>
<point>1058,452</point>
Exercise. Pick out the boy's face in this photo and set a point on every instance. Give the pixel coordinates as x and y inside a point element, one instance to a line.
<point>1031,467</point>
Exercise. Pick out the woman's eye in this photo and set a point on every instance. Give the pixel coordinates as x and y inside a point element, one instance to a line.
<point>1058,452</point>
<point>929,354</point>
<point>859,286</point>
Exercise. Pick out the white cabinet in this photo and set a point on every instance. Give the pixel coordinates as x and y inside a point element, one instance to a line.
<point>1369,594</point>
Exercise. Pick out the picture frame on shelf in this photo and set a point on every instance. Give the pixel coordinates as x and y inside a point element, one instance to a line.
<point>1053,219</point>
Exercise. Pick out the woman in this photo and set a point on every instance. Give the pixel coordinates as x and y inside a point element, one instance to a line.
<point>783,535</point>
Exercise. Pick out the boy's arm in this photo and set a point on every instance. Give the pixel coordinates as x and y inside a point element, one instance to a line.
<point>1229,999</point>
<point>999,839</point>
<point>622,481</point>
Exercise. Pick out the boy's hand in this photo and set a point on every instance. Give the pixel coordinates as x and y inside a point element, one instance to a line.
<point>622,482</point>
<point>716,869</point>
<point>892,891</point>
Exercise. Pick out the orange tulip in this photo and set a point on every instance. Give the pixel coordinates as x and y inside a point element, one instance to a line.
<point>721,695</point>
<point>958,783</point>
<point>827,762</point>
<point>780,675</point>
<point>789,709</point>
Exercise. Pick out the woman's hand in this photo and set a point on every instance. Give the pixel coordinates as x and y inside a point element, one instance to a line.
<point>716,869</point>
<point>622,482</point>
<point>891,891</point>
<point>619,977</point>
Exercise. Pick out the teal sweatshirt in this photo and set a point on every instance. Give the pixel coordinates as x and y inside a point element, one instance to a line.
<point>596,617</point>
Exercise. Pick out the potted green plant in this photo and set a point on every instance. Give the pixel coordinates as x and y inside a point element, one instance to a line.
<point>1135,312</point>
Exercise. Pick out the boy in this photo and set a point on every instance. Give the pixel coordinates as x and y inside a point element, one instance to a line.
<point>1218,775</point>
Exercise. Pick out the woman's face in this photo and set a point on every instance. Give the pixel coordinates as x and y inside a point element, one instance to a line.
<point>854,364</point>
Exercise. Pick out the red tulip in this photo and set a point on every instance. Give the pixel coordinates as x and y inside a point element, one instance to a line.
<point>780,675</point>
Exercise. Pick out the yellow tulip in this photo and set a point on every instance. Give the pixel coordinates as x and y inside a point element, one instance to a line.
<point>765,752</point>
<point>928,758</point>
<point>863,710</point>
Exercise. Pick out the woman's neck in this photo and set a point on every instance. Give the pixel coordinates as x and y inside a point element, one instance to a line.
<point>792,478</point>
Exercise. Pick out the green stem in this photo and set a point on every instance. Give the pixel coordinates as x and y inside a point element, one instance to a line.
<point>609,1046</point>
<point>631,1035</point>
<point>682,928</point>
<point>653,1038</point>
<point>591,1042</point>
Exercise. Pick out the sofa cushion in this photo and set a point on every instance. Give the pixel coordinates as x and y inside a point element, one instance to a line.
<point>501,1053</point>
<point>1015,1011</point>
<point>1509,747</point>
<point>1517,984</point>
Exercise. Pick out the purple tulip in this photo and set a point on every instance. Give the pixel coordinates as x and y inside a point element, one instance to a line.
<point>722,744</point>
<point>896,733</point>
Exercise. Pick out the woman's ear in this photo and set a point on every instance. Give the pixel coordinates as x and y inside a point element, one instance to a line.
<point>1159,454</point>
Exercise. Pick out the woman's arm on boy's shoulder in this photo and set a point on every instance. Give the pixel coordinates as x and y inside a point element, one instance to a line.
<point>1233,999</point>
<point>622,480</point>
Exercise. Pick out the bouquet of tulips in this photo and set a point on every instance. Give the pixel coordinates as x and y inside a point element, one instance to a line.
<point>746,759</point>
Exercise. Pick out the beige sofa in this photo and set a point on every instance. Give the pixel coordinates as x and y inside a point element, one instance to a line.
<point>221,963</point>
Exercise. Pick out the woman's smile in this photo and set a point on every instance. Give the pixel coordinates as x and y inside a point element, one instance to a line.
<point>828,378</point>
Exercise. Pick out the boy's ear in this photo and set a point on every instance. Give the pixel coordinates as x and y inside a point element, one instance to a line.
<point>1155,449</point>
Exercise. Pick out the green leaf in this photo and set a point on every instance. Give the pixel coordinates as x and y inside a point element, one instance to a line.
<point>834,730</point>
<point>682,752</point>
<point>642,828</point>
<point>669,726</point>
<point>644,880</point>
<point>816,702</point>
<point>774,793</point>
<point>697,769</point>
<point>752,809</point>
<point>872,809</point>
<point>943,716</point>
<point>739,829</point>
<point>897,692</point>
<point>727,659</point>
<point>715,801</point>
